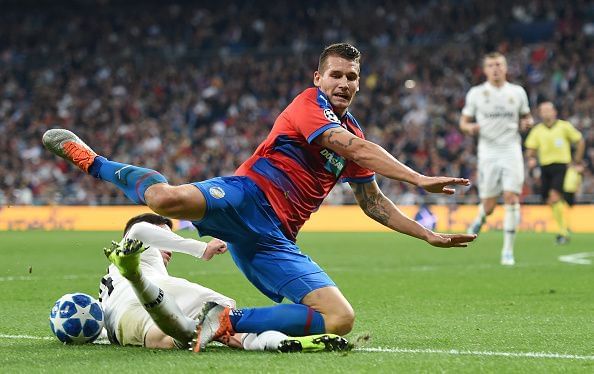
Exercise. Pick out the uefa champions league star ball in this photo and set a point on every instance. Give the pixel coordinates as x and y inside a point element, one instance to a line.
<point>76,318</point>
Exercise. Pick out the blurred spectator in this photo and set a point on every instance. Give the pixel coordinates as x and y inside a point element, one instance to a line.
<point>191,89</point>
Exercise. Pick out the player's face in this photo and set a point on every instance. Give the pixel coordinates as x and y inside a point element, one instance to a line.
<point>339,80</point>
<point>495,69</point>
<point>547,112</point>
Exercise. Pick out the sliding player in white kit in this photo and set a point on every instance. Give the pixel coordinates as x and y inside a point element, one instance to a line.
<point>496,111</point>
<point>145,306</point>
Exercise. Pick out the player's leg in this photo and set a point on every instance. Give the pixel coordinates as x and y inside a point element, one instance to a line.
<point>220,323</point>
<point>265,268</point>
<point>571,184</point>
<point>178,202</point>
<point>338,314</point>
<point>485,209</point>
<point>267,258</point>
<point>489,186</point>
<point>557,202</point>
<point>155,338</point>
<point>569,198</point>
<point>511,221</point>
<point>512,180</point>
<point>135,326</point>
<point>216,321</point>
<point>162,309</point>
<point>141,185</point>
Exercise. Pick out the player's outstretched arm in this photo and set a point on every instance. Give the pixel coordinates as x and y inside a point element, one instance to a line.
<point>371,156</point>
<point>378,207</point>
<point>166,239</point>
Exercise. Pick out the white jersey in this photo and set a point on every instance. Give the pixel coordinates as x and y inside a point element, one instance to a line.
<point>116,293</point>
<point>497,110</point>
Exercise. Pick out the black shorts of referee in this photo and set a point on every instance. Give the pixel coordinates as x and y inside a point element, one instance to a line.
<point>552,177</point>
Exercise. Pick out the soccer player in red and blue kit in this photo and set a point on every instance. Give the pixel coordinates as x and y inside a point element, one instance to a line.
<point>314,143</point>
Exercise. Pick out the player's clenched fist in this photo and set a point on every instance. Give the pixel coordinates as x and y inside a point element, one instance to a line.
<point>214,247</point>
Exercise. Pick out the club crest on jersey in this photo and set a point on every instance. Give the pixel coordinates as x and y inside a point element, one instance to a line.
<point>334,162</point>
<point>331,116</point>
<point>216,192</point>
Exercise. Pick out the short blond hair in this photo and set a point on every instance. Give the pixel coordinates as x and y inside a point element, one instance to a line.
<point>494,55</point>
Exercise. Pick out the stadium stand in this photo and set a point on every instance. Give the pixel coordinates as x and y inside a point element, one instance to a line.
<point>191,89</point>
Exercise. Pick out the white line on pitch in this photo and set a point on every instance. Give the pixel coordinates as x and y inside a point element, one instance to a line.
<point>13,278</point>
<point>405,350</point>
<point>7,336</point>
<point>577,258</point>
<point>479,353</point>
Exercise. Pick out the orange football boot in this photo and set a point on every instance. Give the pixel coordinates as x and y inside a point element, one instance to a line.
<point>213,323</point>
<point>67,145</point>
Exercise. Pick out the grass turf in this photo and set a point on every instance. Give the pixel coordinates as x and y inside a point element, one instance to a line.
<point>407,295</point>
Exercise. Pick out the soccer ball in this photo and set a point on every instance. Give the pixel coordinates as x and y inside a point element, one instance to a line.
<point>76,318</point>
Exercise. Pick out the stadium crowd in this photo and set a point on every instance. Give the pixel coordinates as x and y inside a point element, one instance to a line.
<point>190,90</point>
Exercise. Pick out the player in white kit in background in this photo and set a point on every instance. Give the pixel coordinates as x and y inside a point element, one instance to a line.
<point>497,111</point>
<point>145,306</point>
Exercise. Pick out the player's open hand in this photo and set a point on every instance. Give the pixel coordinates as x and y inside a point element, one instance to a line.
<point>450,240</point>
<point>441,184</point>
<point>214,247</point>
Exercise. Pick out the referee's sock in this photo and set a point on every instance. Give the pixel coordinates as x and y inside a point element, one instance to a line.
<point>290,319</point>
<point>559,215</point>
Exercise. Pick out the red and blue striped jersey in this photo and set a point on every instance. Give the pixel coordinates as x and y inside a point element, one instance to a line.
<point>293,171</point>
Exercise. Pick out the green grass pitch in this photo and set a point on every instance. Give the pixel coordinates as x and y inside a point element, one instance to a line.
<point>426,309</point>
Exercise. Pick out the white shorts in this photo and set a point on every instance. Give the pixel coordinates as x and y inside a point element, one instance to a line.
<point>500,174</point>
<point>128,321</point>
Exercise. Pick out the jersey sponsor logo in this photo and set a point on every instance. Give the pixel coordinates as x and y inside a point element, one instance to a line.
<point>331,116</point>
<point>334,163</point>
<point>216,192</point>
<point>495,115</point>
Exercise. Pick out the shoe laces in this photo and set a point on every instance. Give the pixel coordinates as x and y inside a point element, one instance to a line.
<point>78,153</point>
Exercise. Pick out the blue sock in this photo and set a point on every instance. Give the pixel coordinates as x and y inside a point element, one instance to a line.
<point>132,180</point>
<point>290,319</point>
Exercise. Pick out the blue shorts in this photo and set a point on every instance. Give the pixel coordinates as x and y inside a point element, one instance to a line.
<point>238,212</point>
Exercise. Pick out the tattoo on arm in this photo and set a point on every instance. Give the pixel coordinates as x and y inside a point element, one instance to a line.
<point>331,138</point>
<point>372,204</point>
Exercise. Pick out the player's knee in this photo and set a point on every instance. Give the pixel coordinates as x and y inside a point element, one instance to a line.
<point>510,198</point>
<point>181,202</point>
<point>157,196</point>
<point>163,199</point>
<point>341,322</point>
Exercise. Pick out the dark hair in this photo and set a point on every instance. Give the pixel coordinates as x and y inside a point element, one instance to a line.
<point>155,219</point>
<point>543,100</point>
<point>344,50</point>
